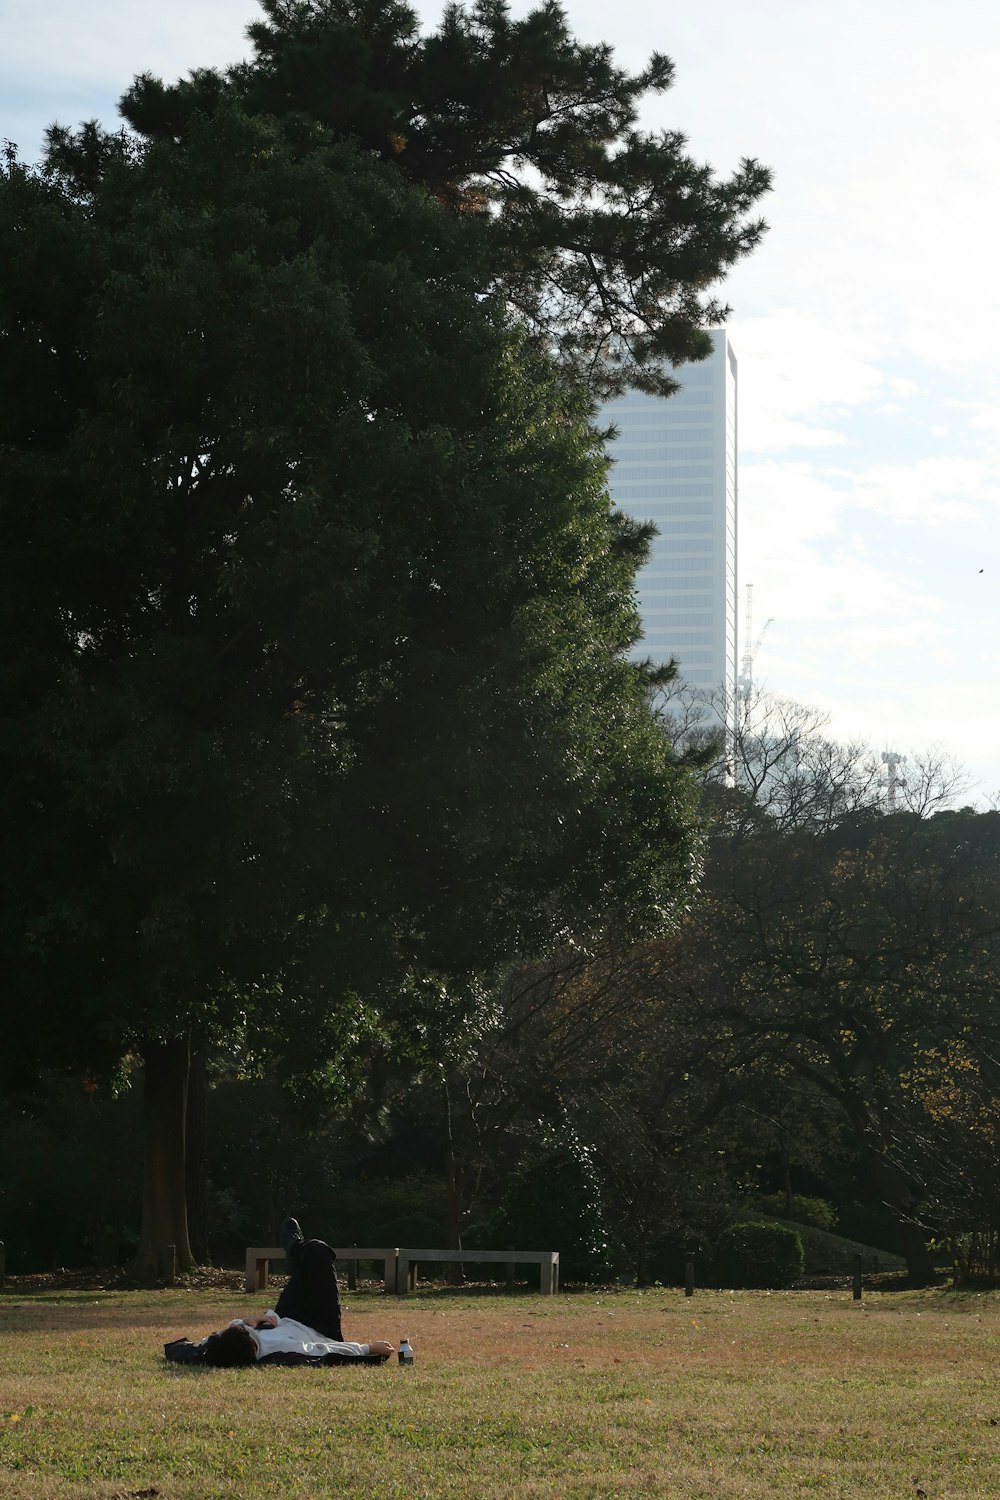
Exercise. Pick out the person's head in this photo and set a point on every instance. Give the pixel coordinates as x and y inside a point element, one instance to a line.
<point>233,1346</point>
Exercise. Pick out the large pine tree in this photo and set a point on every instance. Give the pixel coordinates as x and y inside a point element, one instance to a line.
<point>316,700</point>
<point>606,239</point>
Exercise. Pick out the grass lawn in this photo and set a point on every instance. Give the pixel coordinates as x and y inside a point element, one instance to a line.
<point>625,1393</point>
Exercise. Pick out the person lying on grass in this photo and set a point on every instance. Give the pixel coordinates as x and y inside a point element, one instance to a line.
<point>306,1320</point>
<point>247,1340</point>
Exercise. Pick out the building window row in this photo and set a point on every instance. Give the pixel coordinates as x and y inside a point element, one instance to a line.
<point>666,567</point>
<point>679,639</point>
<point>647,472</point>
<point>671,619</point>
<point>654,454</point>
<point>694,446</point>
<point>691,526</point>
<point>702,602</point>
<point>682,507</point>
<point>653,413</point>
<point>690,433</point>
<point>678,586</point>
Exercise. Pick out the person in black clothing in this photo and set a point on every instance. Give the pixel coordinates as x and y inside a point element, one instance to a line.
<point>311,1294</point>
<point>311,1298</point>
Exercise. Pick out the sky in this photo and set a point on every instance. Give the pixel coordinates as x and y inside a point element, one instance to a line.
<point>865,325</point>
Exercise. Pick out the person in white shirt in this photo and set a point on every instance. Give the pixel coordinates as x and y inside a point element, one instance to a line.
<point>307,1318</point>
<point>247,1340</point>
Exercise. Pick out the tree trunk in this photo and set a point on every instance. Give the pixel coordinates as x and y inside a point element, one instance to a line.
<point>196,1160</point>
<point>892,1187</point>
<point>456,1275</point>
<point>899,1199</point>
<point>786,1170</point>
<point>164,1195</point>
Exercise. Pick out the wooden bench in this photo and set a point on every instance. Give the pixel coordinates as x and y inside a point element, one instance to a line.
<point>547,1262</point>
<point>400,1267</point>
<point>260,1256</point>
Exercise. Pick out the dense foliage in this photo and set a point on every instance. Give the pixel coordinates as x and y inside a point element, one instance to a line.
<point>758,1254</point>
<point>605,239</point>
<point>316,691</point>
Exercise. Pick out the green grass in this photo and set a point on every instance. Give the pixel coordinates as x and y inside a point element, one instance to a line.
<point>630,1393</point>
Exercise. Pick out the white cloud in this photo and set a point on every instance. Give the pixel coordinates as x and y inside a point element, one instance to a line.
<point>772,433</point>
<point>64,63</point>
<point>986,416</point>
<point>931,491</point>
<point>843,599</point>
<point>783,506</point>
<point>112,40</point>
<point>796,373</point>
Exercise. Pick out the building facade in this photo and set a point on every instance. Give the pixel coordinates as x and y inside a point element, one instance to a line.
<point>674,463</point>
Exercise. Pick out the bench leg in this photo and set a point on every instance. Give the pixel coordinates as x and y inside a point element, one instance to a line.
<point>546,1279</point>
<point>509,1268</point>
<point>402,1275</point>
<point>255,1279</point>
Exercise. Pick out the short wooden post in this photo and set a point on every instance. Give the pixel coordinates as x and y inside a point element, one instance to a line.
<point>857,1279</point>
<point>352,1272</point>
<point>689,1274</point>
<point>509,1268</point>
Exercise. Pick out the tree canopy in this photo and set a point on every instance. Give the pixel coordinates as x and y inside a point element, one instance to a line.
<point>606,239</point>
<point>318,704</point>
<point>846,941</point>
<point>316,695</point>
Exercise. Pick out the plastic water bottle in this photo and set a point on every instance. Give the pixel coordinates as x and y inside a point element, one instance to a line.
<point>405,1351</point>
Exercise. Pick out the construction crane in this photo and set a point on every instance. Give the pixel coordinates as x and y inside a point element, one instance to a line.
<point>752,646</point>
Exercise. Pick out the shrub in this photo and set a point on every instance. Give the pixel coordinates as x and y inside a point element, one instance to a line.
<point>553,1203</point>
<point>815,1212</point>
<point>483,1234</point>
<point>70,1175</point>
<point>369,1207</point>
<point>759,1255</point>
<point>413,1231</point>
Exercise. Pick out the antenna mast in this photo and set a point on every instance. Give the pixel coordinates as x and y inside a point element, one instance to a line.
<point>746,666</point>
<point>751,646</point>
<point>892,761</point>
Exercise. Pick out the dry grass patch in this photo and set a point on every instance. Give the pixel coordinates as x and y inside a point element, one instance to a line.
<point>635,1393</point>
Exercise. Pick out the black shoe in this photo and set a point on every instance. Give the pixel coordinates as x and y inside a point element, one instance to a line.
<point>289,1234</point>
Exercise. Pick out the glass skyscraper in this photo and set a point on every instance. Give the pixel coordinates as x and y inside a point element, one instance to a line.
<point>675,464</point>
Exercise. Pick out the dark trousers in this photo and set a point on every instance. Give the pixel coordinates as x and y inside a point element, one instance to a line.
<point>311,1295</point>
